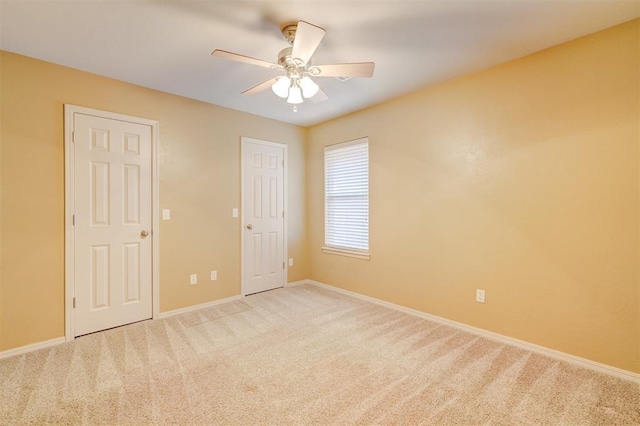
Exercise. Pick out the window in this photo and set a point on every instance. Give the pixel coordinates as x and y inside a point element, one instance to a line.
<point>346,198</point>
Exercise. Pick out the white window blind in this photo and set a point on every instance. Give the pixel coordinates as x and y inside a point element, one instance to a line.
<point>346,185</point>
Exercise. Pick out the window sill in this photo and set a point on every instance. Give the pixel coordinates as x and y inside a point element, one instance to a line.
<point>349,253</point>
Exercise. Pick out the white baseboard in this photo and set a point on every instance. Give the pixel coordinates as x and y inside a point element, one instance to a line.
<point>295,283</point>
<point>197,307</point>
<point>32,347</point>
<point>582,362</point>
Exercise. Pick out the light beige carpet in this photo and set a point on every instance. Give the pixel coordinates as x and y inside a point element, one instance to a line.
<point>303,355</point>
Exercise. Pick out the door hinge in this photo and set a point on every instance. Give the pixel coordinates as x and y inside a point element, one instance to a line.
<point>283,214</point>
<point>73,136</point>
<point>282,265</point>
<point>74,303</point>
<point>73,219</point>
<point>283,162</point>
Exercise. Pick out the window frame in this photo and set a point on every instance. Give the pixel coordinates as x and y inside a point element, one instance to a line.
<point>354,252</point>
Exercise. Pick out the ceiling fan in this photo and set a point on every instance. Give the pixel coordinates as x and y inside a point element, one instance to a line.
<point>296,83</point>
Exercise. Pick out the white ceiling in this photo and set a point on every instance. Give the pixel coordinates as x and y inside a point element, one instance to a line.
<point>166,45</point>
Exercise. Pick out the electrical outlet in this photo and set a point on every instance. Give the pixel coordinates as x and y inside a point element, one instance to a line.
<point>214,275</point>
<point>479,296</point>
<point>166,214</point>
<point>291,261</point>
<point>193,279</point>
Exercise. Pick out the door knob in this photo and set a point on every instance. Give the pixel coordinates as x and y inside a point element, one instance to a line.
<point>144,233</point>
<point>249,226</point>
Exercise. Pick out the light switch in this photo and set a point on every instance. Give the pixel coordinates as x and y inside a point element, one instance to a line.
<point>166,214</point>
<point>235,212</point>
<point>291,261</point>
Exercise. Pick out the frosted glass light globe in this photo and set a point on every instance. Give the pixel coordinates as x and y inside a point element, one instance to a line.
<point>281,86</point>
<point>295,95</point>
<point>309,87</point>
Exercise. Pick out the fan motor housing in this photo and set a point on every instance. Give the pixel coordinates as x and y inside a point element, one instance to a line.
<point>284,57</point>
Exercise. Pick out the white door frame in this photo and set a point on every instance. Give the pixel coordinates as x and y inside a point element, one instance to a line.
<point>69,190</point>
<point>243,141</point>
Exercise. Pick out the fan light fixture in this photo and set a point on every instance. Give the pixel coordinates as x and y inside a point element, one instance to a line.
<point>295,89</point>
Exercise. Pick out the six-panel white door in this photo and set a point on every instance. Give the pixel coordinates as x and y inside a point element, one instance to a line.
<point>263,216</point>
<point>113,248</point>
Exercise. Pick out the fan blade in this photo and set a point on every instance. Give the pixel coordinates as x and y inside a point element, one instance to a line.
<point>260,87</point>
<point>246,59</point>
<point>319,97</point>
<point>360,69</point>
<point>307,39</point>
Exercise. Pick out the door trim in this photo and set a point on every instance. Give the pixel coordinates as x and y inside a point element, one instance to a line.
<point>69,190</point>
<point>243,141</point>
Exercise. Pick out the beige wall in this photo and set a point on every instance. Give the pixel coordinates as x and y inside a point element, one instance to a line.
<point>199,182</point>
<point>522,180</point>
